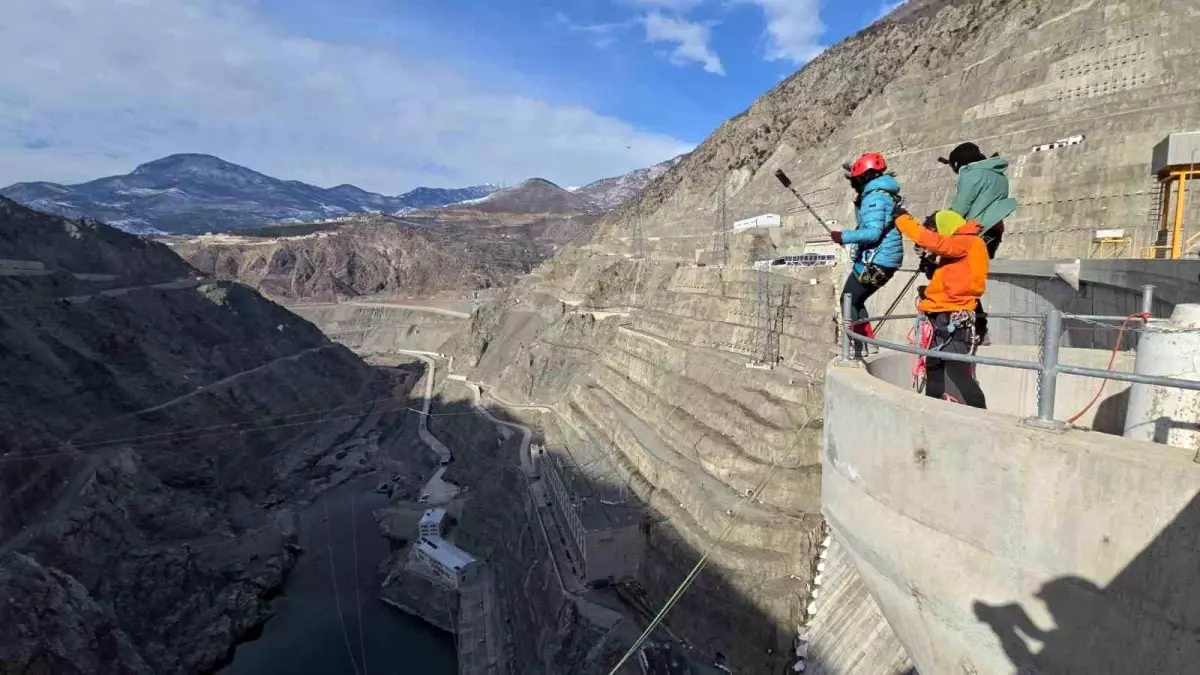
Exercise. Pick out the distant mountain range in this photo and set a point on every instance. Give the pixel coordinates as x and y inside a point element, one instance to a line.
<point>188,194</point>
<point>192,193</point>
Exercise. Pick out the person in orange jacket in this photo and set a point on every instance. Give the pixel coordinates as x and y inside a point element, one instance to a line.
<point>957,281</point>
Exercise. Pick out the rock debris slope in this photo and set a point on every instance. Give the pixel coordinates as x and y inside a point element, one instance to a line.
<point>151,455</point>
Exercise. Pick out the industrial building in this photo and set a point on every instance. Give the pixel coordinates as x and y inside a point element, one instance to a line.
<point>432,522</point>
<point>799,260</point>
<point>764,220</point>
<point>594,510</point>
<point>450,564</point>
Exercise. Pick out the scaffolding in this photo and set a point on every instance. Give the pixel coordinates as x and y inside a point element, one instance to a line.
<point>1174,164</point>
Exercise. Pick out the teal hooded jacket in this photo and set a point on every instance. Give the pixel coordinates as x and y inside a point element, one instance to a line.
<point>982,193</point>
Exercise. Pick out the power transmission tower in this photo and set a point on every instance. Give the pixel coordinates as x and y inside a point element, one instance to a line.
<point>770,318</point>
<point>724,230</point>
<point>719,250</point>
<point>639,239</point>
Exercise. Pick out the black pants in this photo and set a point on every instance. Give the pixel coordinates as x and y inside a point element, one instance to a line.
<point>860,292</point>
<point>959,373</point>
<point>993,238</point>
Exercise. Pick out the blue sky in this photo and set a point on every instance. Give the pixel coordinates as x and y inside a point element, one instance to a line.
<point>390,94</point>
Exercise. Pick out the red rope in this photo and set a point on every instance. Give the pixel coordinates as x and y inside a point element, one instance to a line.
<point>1145,317</point>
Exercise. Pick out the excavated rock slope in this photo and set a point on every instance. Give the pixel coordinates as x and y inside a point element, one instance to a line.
<point>648,358</point>
<point>374,256</point>
<point>154,442</point>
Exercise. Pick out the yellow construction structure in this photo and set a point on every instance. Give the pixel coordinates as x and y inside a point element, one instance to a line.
<point>1174,163</point>
<point>1174,182</point>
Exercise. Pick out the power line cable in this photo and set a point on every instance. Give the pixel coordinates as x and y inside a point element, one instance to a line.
<point>337,599</point>
<point>362,641</point>
<point>175,436</point>
<point>699,567</point>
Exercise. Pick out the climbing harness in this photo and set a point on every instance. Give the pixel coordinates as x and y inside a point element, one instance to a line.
<point>924,335</point>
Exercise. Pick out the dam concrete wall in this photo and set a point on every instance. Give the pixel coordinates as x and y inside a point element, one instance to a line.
<point>994,547</point>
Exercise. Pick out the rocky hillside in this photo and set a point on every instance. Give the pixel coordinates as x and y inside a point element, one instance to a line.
<point>155,436</point>
<point>201,193</point>
<point>369,256</point>
<point>452,250</point>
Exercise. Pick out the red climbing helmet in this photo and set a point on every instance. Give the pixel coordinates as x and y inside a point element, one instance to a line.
<point>868,162</point>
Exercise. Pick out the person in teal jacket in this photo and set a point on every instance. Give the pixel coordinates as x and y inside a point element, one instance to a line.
<point>982,193</point>
<point>879,247</point>
<point>982,196</point>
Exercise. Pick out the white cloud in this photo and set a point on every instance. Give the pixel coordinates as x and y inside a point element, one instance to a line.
<point>601,35</point>
<point>91,87</point>
<point>794,29</point>
<point>690,39</point>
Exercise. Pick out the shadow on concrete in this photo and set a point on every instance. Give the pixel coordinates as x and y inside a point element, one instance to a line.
<point>548,633</point>
<point>1146,621</point>
<point>1163,426</point>
<point>1110,414</point>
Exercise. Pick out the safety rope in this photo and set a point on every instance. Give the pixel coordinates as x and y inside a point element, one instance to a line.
<point>1145,317</point>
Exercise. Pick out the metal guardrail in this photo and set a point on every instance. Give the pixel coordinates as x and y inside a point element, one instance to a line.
<point>1048,369</point>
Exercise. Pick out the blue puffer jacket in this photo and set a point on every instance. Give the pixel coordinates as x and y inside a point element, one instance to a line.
<point>877,239</point>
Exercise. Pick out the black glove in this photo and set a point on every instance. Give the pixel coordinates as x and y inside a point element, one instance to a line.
<point>900,210</point>
<point>836,236</point>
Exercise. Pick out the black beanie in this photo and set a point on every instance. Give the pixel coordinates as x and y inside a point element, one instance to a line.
<point>964,154</point>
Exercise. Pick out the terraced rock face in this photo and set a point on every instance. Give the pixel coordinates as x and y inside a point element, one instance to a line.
<point>154,443</point>
<point>647,358</point>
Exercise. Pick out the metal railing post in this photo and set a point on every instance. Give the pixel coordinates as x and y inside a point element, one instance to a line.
<point>1148,299</point>
<point>847,309</point>
<point>1048,378</point>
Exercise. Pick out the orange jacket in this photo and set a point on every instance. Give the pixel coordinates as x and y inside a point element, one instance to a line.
<point>961,279</point>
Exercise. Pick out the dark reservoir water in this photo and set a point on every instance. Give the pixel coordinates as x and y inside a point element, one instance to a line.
<point>315,631</point>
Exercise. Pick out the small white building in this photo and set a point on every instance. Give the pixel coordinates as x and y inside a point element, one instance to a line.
<point>764,220</point>
<point>432,522</point>
<point>449,563</point>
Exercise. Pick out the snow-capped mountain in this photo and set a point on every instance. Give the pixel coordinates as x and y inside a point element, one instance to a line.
<point>609,193</point>
<point>192,193</point>
<point>536,195</point>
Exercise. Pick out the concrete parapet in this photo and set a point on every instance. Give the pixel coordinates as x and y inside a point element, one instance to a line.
<point>976,533</point>
<point>1014,392</point>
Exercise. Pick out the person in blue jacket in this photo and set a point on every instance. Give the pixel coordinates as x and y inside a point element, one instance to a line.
<point>880,247</point>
